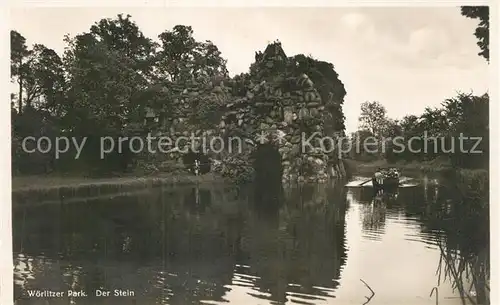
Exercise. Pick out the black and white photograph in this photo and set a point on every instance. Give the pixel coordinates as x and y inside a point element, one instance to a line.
<point>250,155</point>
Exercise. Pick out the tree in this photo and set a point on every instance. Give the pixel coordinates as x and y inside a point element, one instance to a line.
<point>433,121</point>
<point>181,57</point>
<point>109,69</point>
<point>463,116</point>
<point>40,77</point>
<point>18,57</point>
<point>408,124</point>
<point>468,116</point>
<point>103,87</point>
<point>39,73</point>
<point>44,80</point>
<point>373,117</point>
<point>360,141</point>
<point>124,36</point>
<point>109,79</point>
<point>182,62</point>
<point>482,32</point>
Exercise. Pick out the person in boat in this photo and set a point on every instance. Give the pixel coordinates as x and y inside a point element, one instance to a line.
<point>394,173</point>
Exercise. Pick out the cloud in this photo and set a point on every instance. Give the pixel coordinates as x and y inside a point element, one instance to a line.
<point>353,20</point>
<point>401,37</point>
<point>429,42</point>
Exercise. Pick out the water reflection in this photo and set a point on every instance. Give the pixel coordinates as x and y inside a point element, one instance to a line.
<point>447,222</point>
<point>298,253</point>
<point>184,246</point>
<point>309,244</point>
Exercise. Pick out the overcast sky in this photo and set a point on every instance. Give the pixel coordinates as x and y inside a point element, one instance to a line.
<point>405,58</point>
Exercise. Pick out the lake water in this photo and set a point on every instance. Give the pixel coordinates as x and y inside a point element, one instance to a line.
<point>215,245</point>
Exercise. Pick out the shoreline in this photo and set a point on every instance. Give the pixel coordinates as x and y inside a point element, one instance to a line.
<point>48,188</point>
<point>411,169</point>
<point>48,183</point>
<point>30,183</point>
<point>36,189</point>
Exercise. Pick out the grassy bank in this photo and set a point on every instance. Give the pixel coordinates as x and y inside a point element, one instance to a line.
<point>411,169</point>
<point>48,188</point>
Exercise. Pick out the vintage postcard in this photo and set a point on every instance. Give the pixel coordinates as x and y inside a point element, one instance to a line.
<point>249,155</point>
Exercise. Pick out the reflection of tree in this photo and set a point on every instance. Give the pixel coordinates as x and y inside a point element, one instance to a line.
<point>161,245</point>
<point>361,194</point>
<point>466,272</point>
<point>373,209</point>
<point>460,224</point>
<point>465,248</point>
<point>157,229</point>
<point>373,217</point>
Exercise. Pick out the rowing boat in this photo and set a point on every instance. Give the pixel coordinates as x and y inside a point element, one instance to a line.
<point>387,180</point>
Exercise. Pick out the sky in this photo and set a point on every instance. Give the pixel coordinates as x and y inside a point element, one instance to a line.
<point>405,58</point>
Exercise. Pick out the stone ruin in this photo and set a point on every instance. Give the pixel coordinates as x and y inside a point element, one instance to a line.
<point>271,100</point>
<point>290,110</point>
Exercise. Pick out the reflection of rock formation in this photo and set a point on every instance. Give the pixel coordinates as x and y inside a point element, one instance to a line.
<point>267,201</point>
<point>299,255</point>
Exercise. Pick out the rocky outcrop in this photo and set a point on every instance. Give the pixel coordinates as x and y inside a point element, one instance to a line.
<point>284,107</point>
<point>276,102</point>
